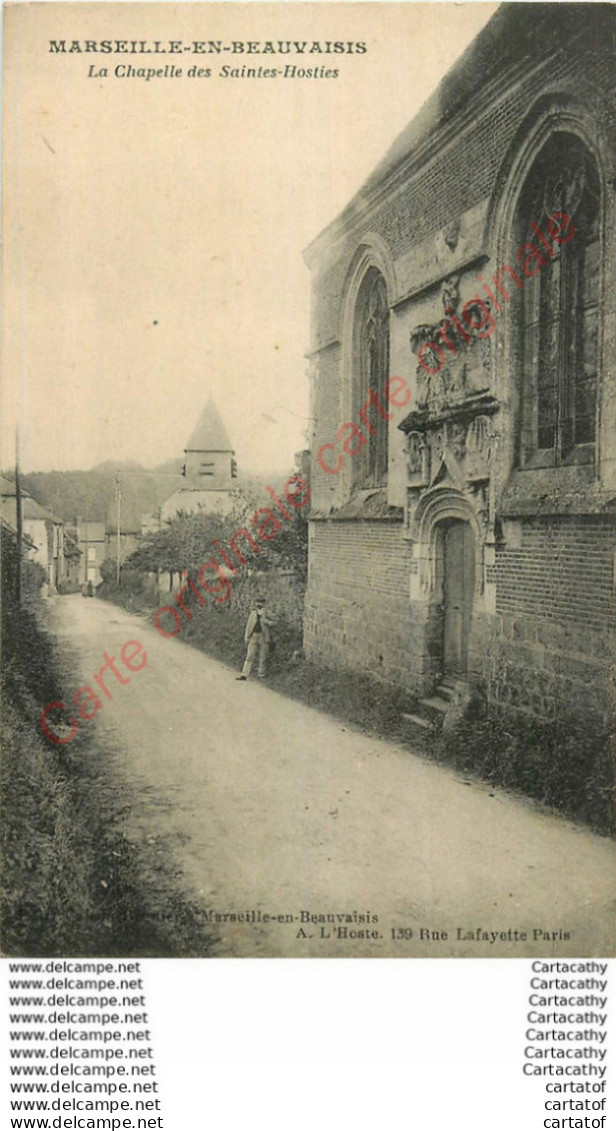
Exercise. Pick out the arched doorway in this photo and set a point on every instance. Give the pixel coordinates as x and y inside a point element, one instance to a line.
<point>456,566</point>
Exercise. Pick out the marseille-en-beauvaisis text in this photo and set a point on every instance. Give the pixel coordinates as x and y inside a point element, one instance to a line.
<point>206,47</point>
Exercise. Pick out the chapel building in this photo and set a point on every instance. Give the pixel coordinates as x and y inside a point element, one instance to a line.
<point>462,526</point>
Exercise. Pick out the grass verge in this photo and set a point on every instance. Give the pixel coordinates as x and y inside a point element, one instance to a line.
<point>71,882</point>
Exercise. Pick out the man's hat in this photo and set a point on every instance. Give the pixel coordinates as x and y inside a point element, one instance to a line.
<point>260,601</point>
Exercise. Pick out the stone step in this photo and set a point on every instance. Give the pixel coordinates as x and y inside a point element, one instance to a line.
<point>452,683</point>
<point>417,720</point>
<point>434,709</point>
<point>435,703</point>
<point>446,691</point>
<point>427,721</point>
<point>419,729</point>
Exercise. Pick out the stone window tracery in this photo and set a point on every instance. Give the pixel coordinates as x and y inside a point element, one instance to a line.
<point>373,343</point>
<point>560,307</point>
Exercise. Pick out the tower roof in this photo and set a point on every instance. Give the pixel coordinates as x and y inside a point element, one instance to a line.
<point>210,435</point>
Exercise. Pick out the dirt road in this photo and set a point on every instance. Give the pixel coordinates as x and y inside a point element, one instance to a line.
<point>268,808</point>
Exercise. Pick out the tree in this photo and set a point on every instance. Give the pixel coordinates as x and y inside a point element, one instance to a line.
<point>190,540</point>
<point>184,544</point>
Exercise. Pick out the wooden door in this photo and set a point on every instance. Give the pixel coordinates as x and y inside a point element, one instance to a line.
<point>458,590</point>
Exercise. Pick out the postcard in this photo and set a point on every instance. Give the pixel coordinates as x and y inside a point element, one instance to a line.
<point>309,482</point>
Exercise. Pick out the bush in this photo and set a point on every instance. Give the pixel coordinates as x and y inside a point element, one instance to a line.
<point>567,764</point>
<point>219,628</point>
<point>135,593</point>
<point>65,587</point>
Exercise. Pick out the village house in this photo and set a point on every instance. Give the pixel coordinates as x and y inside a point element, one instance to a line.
<point>464,537</point>
<point>72,558</point>
<point>92,543</point>
<point>45,538</point>
<point>124,520</point>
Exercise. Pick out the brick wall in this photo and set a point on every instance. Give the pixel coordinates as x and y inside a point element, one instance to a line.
<point>437,192</point>
<point>555,617</point>
<point>358,614</point>
<point>545,651</point>
<point>562,573</point>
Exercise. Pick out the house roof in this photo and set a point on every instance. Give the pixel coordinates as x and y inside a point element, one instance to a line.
<point>166,485</point>
<point>12,531</point>
<point>210,435</point>
<point>8,489</point>
<point>30,510</point>
<point>130,513</point>
<point>92,532</point>
<point>191,501</point>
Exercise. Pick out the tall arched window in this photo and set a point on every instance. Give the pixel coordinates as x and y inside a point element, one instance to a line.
<point>373,350</point>
<point>560,305</point>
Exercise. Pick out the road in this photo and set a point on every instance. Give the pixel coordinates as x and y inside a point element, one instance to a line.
<point>271,808</point>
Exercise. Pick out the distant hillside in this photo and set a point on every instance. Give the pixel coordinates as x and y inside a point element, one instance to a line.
<point>72,493</point>
<point>89,494</point>
<point>170,467</point>
<point>109,466</point>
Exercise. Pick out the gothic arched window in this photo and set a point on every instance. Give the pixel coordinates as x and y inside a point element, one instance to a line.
<point>560,306</point>
<point>373,343</point>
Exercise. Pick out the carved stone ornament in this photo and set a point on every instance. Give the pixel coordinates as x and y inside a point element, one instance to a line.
<point>453,358</point>
<point>446,387</point>
<point>450,438</point>
<point>421,336</point>
<point>439,441</point>
<point>450,295</point>
<point>481,502</point>
<point>478,448</point>
<point>417,455</point>
<point>451,234</point>
<point>456,439</point>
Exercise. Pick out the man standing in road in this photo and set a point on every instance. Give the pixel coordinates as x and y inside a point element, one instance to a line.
<point>258,638</point>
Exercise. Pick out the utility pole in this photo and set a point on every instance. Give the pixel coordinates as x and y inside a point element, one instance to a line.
<point>87,547</point>
<point>118,486</point>
<point>118,530</point>
<point>19,522</point>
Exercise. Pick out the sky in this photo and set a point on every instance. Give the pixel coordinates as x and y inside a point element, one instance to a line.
<point>153,230</point>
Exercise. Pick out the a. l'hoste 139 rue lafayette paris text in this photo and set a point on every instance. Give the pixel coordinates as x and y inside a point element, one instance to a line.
<point>206,47</point>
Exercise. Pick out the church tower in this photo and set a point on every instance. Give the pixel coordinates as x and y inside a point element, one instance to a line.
<point>210,470</point>
<point>210,460</point>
